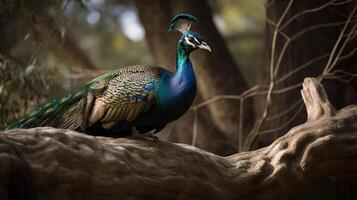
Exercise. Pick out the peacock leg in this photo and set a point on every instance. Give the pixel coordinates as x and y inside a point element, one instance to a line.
<point>149,135</point>
<point>135,132</point>
<point>152,136</point>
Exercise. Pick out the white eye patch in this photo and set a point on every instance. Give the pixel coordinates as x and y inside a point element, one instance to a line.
<point>191,40</point>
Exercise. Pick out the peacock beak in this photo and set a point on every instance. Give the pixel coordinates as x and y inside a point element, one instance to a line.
<point>205,46</point>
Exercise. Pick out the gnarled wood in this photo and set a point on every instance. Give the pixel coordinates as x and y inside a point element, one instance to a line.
<point>63,164</point>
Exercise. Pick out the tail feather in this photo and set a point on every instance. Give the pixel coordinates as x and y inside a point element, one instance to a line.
<point>67,111</point>
<point>51,113</point>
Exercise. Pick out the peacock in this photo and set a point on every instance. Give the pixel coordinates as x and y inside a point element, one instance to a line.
<point>131,100</point>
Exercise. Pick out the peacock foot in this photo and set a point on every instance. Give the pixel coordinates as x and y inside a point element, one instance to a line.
<point>149,136</point>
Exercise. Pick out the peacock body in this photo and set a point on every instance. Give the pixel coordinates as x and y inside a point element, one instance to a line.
<point>144,97</point>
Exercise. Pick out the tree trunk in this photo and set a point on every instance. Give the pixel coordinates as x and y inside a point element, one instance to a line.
<point>47,163</point>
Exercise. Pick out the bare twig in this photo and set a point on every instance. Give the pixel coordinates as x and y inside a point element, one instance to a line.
<point>331,61</point>
<point>240,125</point>
<point>286,124</point>
<point>259,123</point>
<point>306,12</point>
<point>194,135</point>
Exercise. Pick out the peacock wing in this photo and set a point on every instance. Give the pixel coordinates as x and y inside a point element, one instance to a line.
<point>128,95</point>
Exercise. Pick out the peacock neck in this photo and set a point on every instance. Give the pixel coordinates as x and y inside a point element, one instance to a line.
<point>177,90</point>
<point>184,70</point>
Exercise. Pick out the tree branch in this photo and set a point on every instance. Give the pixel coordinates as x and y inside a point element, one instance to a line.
<point>63,164</point>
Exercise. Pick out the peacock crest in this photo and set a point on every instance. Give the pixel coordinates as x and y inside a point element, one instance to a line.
<point>181,23</point>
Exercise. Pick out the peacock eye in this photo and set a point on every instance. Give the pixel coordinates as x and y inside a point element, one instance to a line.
<point>192,40</point>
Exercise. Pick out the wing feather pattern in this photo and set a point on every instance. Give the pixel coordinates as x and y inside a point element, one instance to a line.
<point>128,96</point>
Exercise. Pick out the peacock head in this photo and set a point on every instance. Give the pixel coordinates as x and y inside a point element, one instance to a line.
<point>189,40</point>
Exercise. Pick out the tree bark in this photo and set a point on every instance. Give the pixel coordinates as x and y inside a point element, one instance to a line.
<point>61,164</point>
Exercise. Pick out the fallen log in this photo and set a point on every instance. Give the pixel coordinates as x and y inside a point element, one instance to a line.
<point>48,163</point>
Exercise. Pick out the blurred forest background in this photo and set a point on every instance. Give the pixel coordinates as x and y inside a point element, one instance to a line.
<point>249,86</point>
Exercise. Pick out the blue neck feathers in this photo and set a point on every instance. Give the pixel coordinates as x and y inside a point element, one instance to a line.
<point>178,90</point>
<point>184,70</point>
